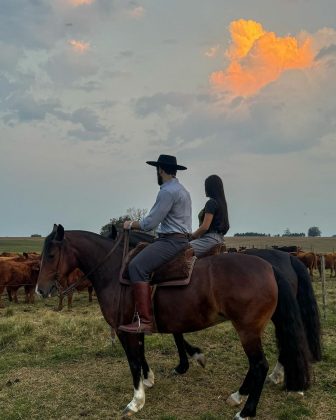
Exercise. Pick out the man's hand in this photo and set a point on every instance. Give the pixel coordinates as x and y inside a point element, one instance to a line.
<point>128,225</point>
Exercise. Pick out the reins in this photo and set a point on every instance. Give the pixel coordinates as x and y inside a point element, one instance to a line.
<point>84,276</point>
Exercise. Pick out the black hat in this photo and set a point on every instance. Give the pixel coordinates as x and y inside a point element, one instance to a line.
<point>166,160</point>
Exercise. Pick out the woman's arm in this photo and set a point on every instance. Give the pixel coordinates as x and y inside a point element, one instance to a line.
<point>204,226</point>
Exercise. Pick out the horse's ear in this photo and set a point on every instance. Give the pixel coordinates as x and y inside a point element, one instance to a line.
<point>54,228</point>
<point>59,236</point>
<point>114,232</point>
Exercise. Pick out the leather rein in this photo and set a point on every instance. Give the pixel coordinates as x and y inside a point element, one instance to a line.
<point>70,288</point>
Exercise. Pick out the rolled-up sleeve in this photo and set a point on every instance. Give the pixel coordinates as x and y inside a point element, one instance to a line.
<point>159,211</point>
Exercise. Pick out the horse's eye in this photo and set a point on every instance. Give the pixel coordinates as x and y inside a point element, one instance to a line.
<point>51,256</point>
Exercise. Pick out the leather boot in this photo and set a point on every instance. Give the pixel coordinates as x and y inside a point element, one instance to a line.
<point>143,303</point>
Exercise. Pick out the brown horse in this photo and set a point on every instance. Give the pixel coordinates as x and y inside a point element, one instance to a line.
<point>295,272</point>
<point>241,288</point>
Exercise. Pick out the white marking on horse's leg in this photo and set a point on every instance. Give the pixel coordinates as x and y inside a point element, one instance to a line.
<point>235,399</point>
<point>200,359</point>
<point>278,375</point>
<point>149,381</point>
<point>138,400</point>
<point>299,394</point>
<point>238,417</point>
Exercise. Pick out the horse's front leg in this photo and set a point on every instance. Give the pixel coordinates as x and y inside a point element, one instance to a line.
<point>183,365</point>
<point>148,374</point>
<point>184,348</point>
<point>132,344</point>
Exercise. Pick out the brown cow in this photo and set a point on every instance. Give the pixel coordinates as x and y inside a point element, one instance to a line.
<point>329,263</point>
<point>309,259</point>
<point>71,279</point>
<point>16,273</point>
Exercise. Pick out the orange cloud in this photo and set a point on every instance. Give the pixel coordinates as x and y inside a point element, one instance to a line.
<point>79,46</point>
<point>258,57</point>
<point>81,2</point>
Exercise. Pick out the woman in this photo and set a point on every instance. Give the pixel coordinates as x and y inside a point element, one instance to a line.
<point>214,221</point>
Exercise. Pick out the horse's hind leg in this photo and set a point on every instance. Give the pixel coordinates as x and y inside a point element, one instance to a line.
<point>255,377</point>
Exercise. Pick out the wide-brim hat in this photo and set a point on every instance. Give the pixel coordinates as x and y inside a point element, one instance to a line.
<point>166,160</point>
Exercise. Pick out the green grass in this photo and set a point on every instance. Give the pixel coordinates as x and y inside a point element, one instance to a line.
<point>21,244</point>
<point>60,365</point>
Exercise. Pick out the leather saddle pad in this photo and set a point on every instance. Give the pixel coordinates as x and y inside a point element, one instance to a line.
<point>176,272</point>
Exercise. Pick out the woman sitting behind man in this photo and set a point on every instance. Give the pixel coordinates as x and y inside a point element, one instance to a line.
<point>213,219</point>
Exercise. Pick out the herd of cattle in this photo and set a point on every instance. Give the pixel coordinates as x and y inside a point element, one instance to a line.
<point>21,271</point>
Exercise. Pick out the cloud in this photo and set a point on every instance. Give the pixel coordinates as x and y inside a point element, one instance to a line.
<point>66,68</point>
<point>77,3</point>
<point>258,57</point>
<point>79,46</point>
<point>160,103</point>
<point>212,51</point>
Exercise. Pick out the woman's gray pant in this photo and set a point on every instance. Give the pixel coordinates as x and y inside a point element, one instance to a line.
<point>203,244</point>
<point>154,255</point>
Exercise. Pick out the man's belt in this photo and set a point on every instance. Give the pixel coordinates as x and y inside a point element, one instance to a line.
<point>173,235</point>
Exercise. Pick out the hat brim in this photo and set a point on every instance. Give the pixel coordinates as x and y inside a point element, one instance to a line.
<point>157,164</point>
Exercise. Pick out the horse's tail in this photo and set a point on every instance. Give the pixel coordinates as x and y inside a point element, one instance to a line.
<point>309,309</point>
<point>291,338</point>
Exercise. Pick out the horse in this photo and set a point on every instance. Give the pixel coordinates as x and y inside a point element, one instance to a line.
<point>297,275</point>
<point>240,288</point>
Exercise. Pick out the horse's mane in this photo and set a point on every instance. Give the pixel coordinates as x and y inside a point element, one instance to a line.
<point>137,236</point>
<point>134,238</point>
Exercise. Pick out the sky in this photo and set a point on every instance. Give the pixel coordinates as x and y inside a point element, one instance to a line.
<point>91,89</point>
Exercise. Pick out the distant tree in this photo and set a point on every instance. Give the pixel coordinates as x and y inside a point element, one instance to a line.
<point>251,234</point>
<point>287,232</point>
<point>314,231</point>
<point>118,222</point>
<point>35,235</point>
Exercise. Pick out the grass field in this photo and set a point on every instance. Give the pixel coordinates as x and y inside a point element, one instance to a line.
<point>321,245</point>
<point>61,365</point>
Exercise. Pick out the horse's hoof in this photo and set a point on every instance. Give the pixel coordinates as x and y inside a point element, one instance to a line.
<point>148,383</point>
<point>179,370</point>
<point>274,379</point>
<point>127,413</point>
<point>234,399</point>
<point>200,359</point>
<point>299,394</point>
<point>238,417</point>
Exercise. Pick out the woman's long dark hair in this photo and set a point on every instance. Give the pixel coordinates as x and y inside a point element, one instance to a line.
<point>214,189</point>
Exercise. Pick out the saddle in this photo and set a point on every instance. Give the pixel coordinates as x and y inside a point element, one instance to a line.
<point>176,272</point>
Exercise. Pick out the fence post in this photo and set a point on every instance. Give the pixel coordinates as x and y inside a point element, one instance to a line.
<point>324,291</point>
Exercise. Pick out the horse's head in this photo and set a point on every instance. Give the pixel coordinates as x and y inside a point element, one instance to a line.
<point>58,260</point>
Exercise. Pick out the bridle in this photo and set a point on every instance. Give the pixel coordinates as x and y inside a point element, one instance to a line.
<point>69,289</point>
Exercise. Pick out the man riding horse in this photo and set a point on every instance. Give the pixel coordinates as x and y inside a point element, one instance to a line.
<point>171,215</point>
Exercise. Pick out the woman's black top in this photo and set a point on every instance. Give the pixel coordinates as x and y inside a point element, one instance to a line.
<point>220,221</point>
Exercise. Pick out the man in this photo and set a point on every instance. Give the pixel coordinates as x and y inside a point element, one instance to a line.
<point>171,213</point>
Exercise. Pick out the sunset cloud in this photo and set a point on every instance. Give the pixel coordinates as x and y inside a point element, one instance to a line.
<point>258,57</point>
<point>79,46</point>
<point>81,2</point>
